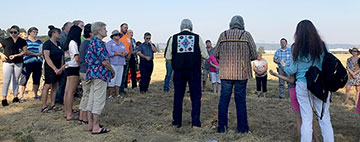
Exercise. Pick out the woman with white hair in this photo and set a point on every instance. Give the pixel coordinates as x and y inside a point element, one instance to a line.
<point>99,72</point>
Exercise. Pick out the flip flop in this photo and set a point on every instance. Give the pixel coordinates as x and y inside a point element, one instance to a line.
<point>54,108</point>
<point>45,110</point>
<point>102,131</point>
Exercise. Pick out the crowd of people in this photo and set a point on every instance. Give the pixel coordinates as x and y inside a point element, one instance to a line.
<point>77,54</point>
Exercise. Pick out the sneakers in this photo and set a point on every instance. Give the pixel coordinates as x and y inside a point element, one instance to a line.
<point>15,100</point>
<point>177,125</point>
<point>110,97</point>
<point>4,103</point>
<point>22,99</point>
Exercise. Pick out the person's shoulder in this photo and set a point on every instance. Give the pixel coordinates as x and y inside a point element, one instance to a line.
<point>72,43</point>
<point>39,41</point>
<point>264,60</point>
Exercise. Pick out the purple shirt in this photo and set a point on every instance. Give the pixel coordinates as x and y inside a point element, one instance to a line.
<point>96,54</point>
<point>112,47</point>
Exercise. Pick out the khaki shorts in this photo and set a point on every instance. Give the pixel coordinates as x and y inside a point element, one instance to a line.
<point>86,91</point>
<point>97,96</point>
<point>204,74</point>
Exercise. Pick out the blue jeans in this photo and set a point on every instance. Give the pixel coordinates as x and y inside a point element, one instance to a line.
<point>146,69</point>
<point>124,77</point>
<point>181,78</point>
<point>240,102</point>
<point>168,76</point>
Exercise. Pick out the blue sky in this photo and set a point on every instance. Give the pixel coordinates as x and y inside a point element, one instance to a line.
<point>266,20</point>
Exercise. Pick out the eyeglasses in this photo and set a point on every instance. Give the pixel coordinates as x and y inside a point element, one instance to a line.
<point>13,32</point>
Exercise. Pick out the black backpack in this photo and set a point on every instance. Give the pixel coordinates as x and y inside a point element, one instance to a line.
<point>335,75</point>
<point>332,77</point>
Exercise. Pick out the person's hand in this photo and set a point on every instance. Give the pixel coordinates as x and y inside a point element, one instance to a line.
<point>4,58</point>
<point>38,54</point>
<point>112,74</point>
<point>147,58</point>
<point>58,71</point>
<point>353,75</point>
<point>273,73</point>
<point>11,57</point>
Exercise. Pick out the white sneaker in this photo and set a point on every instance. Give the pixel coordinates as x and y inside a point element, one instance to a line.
<point>110,97</point>
<point>22,99</point>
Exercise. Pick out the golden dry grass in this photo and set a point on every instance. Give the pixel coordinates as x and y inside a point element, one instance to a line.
<point>147,118</point>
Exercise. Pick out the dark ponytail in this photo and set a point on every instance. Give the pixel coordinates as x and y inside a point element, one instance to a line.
<point>52,30</point>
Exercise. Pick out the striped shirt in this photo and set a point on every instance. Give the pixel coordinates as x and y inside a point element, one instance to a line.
<point>36,47</point>
<point>235,55</point>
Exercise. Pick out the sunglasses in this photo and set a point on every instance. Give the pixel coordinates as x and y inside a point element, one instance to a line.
<point>117,35</point>
<point>13,32</point>
<point>147,38</point>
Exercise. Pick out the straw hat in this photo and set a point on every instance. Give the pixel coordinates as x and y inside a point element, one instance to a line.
<point>114,32</point>
<point>353,49</point>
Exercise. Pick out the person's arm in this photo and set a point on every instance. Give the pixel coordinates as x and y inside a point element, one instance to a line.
<point>218,46</point>
<point>107,65</point>
<point>143,56</point>
<point>110,52</point>
<point>252,46</point>
<point>153,48</point>
<point>168,55</point>
<point>275,58</point>
<point>77,59</point>
<point>265,69</point>
<point>203,50</point>
<point>213,65</point>
<point>22,53</point>
<point>49,61</point>
<point>2,55</point>
<point>253,66</point>
<point>290,79</point>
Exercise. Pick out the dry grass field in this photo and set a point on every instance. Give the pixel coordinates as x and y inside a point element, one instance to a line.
<point>147,118</point>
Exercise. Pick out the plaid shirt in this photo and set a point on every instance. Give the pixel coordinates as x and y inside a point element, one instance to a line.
<point>235,54</point>
<point>283,56</point>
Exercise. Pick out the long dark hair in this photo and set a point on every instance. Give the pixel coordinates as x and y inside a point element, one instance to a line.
<point>307,41</point>
<point>74,34</point>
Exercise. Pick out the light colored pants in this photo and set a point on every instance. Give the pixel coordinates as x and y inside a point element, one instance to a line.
<point>307,100</point>
<point>116,81</point>
<point>97,96</point>
<point>86,90</point>
<point>282,84</point>
<point>11,70</point>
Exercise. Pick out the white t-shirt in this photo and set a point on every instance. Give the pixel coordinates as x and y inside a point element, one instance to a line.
<point>260,66</point>
<point>73,50</point>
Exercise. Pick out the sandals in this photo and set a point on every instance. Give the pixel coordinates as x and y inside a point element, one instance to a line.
<point>82,122</point>
<point>102,131</point>
<point>54,108</point>
<point>45,110</point>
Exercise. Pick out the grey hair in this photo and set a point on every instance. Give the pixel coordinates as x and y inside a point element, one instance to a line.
<point>237,22</point>
<point>96,27</point>
<point>186,24</point>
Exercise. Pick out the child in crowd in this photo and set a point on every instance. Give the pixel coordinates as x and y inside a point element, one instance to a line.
<point>214,74</point>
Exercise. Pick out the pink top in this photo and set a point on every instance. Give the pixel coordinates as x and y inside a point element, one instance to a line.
<point>214,61</point>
